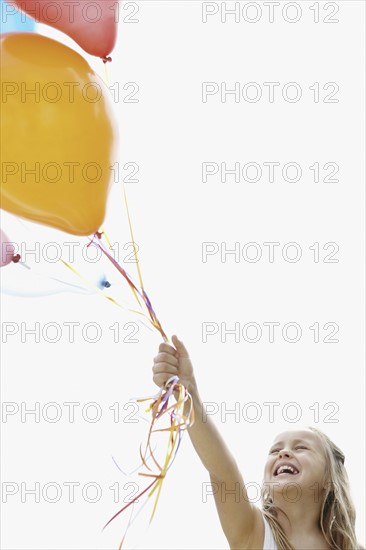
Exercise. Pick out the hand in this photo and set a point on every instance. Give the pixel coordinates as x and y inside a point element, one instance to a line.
<point>173,361</point>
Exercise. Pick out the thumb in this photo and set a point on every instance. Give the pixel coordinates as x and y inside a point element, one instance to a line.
<point>180,347</point>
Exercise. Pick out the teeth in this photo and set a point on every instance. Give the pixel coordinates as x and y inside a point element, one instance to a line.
<point>286,467</point>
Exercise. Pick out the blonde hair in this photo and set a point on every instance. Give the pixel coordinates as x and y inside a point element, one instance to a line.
<point>337,515</point>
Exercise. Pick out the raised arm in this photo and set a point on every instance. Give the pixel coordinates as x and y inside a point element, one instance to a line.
<point>241,521</point>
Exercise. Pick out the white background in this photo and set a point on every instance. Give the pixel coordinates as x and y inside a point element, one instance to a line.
<point>169,52</point>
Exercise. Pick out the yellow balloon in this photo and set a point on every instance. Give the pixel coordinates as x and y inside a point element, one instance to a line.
<point>57,135</point>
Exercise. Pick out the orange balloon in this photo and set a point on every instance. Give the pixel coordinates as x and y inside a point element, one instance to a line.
<point>57,134</point>
<point>92,24</point>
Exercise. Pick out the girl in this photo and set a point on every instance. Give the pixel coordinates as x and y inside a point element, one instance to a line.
<point>302,462</point>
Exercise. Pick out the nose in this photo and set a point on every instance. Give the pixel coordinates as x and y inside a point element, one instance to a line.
<point>285,453</point>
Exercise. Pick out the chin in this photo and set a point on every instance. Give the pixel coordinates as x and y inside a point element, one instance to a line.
<point>290,487</point>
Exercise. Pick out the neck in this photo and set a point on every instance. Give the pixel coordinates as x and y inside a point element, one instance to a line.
<point>300,520</point>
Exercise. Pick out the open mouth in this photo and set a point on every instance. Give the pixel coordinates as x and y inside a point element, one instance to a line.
<point>286,469</point>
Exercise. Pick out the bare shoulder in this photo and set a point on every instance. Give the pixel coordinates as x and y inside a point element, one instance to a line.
<point>256,538</point>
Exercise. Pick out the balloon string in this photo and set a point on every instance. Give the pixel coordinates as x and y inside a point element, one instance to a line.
<point>103,232</point>
<point>147,301</point>
<point>153,318</point>
<point>178,423</point>
<point>132,238</point>
<point>119,268</point>
<point>109,298</point>
<point>97,237</point>
<point>160,404</point>
<point>106,73</point>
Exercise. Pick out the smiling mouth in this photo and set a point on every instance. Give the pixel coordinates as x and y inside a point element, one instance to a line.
<point>286,469</point>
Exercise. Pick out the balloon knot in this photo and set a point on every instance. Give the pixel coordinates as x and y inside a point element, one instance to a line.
<point>16,258</point>
<point>97,234</point>
<point>106,59</point>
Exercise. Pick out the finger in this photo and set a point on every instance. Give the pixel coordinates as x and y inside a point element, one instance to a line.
<point>161,368</point>
<point>164,357</point>
<point>161,379</point>
<point>182,350</point>
<point>167,348</point>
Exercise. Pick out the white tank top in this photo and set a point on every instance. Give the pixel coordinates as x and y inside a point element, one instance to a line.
<point>269,541</point>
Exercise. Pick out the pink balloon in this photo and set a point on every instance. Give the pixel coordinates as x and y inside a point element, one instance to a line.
<point>7,251</point>
<point>91,23</point>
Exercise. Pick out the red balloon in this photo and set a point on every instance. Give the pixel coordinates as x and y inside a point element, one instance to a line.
<point>7,251</point>
<point>91,23</point>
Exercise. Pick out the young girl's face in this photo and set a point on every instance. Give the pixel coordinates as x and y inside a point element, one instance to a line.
<point>296,459</point>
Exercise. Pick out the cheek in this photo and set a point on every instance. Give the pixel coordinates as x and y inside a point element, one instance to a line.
<point>268,469</point>
<point>323,474</point>
<point>315,470</point>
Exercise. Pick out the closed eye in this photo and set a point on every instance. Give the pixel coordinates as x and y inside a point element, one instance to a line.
<point>273,451</point>
<point>300,447</point>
